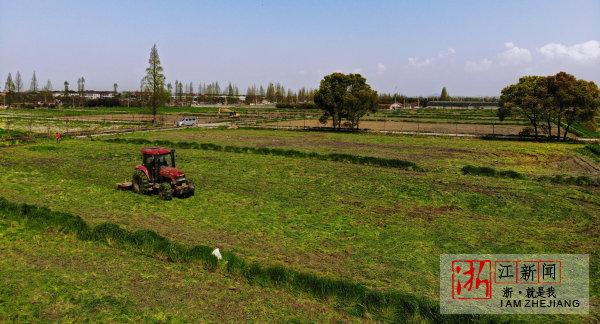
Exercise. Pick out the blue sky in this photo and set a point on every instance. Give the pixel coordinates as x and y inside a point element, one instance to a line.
<point>416,47</point>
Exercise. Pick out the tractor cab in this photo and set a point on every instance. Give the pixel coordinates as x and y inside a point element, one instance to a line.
<point>159,162</point>
<point>154,158</point>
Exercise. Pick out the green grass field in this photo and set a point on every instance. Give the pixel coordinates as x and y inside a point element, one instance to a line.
<point>441,115</point>
<point>46,275</point>
<point>378,226</point>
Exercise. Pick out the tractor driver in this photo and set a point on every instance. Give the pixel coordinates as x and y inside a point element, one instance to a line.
<point>162,160</point>
<point>149,160</point>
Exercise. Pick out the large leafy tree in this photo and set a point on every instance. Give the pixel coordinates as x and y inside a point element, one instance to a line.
<point>559,99</point>
<point>584,106</point>
<point>573,101</point>
<point>345,96</point>
<point>154,82</point>
<point>562,89</point>
<point>527,98</point>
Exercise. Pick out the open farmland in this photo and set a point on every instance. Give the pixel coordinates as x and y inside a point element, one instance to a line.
<point>433,153</point>
<point>379,226</point>
<point>417,126</point>
<point>422,120</point>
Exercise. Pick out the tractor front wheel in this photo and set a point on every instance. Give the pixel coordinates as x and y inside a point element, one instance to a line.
<point>140,182</point>
<point>165,191</point>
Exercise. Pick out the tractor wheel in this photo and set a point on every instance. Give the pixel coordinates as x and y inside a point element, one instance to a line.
<point>140,182</point>
<point>192,189</point>
<point>165,192</point>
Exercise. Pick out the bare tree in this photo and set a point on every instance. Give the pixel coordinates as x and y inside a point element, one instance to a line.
<point>33,87</point>
<point>18,82</point>
<point>9,86</point>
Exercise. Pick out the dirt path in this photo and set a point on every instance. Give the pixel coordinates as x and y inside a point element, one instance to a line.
<point>163,118</point>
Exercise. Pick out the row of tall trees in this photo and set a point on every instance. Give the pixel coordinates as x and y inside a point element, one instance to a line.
<point>278,94</point>
<point>274,92</point>
<point>16,93</point>
<point>560,100</point>
<point>16,84</point>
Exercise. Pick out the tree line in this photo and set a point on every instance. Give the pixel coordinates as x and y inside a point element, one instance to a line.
<point>274,92</point>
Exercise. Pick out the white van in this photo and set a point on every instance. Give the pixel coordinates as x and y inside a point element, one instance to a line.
<point>186,121</point>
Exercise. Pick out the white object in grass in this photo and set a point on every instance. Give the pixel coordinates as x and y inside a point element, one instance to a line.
<point>217,254</point>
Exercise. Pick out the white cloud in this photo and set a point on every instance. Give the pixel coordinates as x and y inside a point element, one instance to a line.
<point>586,52</point>
<point>419,63</point>
<point>449,52</point>
<point>479,65</point>
<point>511,56</point>
<point>514,55</point>
<point>340,70</point>
<point>381,68</point>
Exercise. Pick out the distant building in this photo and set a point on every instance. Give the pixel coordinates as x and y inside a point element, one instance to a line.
<point>88,94</point>
<point>395,106</point>
<point>462,104</point>
<point>93,94</point>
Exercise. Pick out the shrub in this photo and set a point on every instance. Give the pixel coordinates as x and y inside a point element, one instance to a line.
<point>572,180</point>
<point>491,172</point>
<point>557,179</point>
<point>102,102</point>
<point>594,148</point>
<point>527,131</point>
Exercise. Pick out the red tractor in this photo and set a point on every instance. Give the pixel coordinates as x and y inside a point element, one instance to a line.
<point>158,174</point>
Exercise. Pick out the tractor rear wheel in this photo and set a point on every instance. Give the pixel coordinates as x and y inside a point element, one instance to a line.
<point>140,182</point>
<point>165,191</point>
